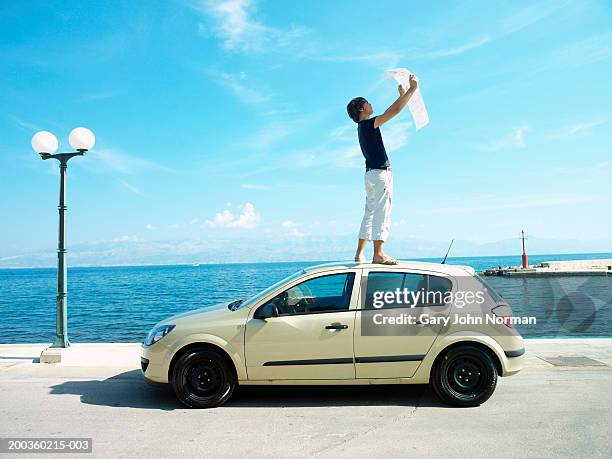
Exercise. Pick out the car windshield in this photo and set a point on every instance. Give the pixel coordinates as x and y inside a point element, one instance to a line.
<point>263,293</point>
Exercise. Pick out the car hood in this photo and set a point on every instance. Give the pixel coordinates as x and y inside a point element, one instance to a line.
<point>214,309</point>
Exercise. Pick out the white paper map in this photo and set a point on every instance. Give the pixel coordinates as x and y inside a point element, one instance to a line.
<point>415,104</point>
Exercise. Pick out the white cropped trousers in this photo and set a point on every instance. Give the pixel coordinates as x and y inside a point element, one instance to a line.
<point>377,216</point>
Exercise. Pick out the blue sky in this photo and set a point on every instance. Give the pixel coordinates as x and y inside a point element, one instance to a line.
<point>222,130</point>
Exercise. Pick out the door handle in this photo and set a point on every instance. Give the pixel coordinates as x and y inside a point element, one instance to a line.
<point>336,327</point>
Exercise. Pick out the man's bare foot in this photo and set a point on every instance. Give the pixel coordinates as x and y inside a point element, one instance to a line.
<point>359,258</point>
<point>385,261</point>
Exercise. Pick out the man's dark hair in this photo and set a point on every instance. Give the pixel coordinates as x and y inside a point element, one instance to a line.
<point>354,106</point>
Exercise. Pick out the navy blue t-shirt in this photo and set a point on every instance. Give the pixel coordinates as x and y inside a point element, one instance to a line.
<point>371,144</point>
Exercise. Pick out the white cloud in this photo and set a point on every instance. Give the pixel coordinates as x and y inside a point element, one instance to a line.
<point>346,132</point>
<point>517,203</point>
<point>279,112</point>
<point>251,186</point>
<point>289,224</point>
<point>126,238</point>
<point>344,150</point>
<point>339,156</point>
<point>339,149</point>
<point>25,124</point>
<point>150,227</point>
<point>130,187</point>
<point>578,129</point>
<point>524,17</point>
<point>459,49</point>
<point>277,125</point>
<point>96,96</point>
<point>395,135</point>
<point>194,221</point>
<point>297,233</point>
<point>585,169</point>
<point>222,219</point>
<point>173,226</point>
<point>247,219</point>
<point>293,228</point>
<point>582,128</point>
<point>575,55</point>
<point>514,139</point>
<point>234,23</point>
<point>117,161</point>
<point>238,84</point>
<point>268,136</point>
<point>385,58</point>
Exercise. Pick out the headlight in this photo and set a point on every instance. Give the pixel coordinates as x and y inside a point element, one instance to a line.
<point>158,333</point>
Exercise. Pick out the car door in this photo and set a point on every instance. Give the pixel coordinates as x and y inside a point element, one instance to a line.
<point>312,338</point>
<point>389,348</point>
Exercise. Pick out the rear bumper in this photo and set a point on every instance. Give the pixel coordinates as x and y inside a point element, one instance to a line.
<point>515,353</point>
<point>513,362</point>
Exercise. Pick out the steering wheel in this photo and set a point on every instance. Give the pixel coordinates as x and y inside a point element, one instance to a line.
<point>303,305</point>
<point>282,303</point>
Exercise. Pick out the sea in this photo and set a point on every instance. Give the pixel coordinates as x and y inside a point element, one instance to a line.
<point>121,303</point>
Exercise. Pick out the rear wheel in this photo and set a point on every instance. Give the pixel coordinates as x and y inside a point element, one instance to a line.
<point>203,378</point>
<point>464,376</point>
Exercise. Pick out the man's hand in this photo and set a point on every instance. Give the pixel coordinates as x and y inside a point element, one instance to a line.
<point>413,81</point>
<point>399,104</point>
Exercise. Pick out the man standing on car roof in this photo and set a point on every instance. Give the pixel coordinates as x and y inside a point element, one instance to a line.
<point>378,176</point>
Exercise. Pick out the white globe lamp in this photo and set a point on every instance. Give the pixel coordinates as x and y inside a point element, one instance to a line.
<point>44,142</point>
<point>81,139</point>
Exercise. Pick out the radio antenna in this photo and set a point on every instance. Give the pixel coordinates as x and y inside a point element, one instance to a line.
<point>448,251</point>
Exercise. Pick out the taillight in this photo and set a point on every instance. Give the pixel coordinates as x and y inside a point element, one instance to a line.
<point>504,312</point>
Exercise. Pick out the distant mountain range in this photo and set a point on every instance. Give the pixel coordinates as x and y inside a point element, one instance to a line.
<point>136,252</point>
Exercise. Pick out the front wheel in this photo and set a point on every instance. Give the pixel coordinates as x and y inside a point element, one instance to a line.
<point>202,378</point>
<point>464,376</point>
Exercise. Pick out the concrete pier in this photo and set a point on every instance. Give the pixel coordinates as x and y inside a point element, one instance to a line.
<point>556,268</point>
<point>558,406</point>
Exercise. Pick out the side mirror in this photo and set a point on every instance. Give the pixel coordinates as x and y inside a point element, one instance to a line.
<point>266,311</point>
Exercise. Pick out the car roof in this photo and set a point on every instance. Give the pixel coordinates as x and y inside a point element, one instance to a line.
<point>456,270</point>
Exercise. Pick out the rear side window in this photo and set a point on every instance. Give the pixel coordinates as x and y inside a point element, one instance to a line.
<point>438,288</point>
<point>401,290</point>
<point>496,296</point>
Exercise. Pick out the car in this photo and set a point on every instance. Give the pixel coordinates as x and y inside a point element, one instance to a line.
<point>343,324</point>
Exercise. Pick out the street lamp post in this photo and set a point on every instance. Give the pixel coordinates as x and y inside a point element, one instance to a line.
<point>45,144</point>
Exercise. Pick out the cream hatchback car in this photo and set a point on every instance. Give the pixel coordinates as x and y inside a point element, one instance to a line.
<point>344,323</point>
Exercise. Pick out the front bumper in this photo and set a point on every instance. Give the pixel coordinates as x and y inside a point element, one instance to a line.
<point>154,363</point>
<point>144,363</point>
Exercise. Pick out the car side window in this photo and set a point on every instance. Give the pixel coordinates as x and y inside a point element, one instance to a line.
<point>415,289</point>
<point>378,285</point>
<point>438,288</point>
<point>401,290</point>
<point>321,294</point>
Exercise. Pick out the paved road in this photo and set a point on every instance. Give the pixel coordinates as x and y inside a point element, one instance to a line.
<point>543,411</point>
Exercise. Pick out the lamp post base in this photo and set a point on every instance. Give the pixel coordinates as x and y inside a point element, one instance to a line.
<point>61,342</point>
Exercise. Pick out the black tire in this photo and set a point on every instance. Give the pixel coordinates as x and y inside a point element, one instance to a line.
<point>203,378</point>
<point>464,376</point>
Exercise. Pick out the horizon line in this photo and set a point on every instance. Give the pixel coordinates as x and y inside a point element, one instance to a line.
<point>292,261</point>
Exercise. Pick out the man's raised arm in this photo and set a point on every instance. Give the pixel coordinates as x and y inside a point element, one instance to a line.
<point>399,104</point>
